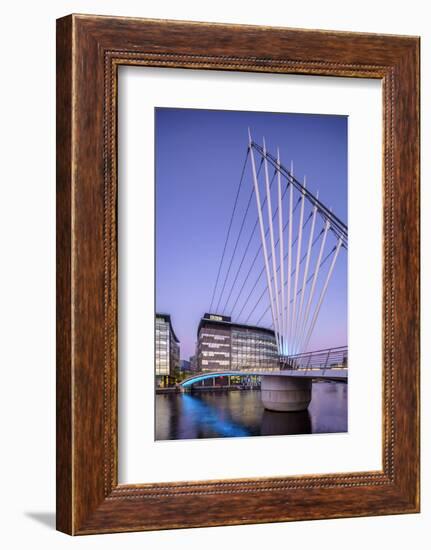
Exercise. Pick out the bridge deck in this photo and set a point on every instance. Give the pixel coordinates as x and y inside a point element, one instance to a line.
<point>337,374</point>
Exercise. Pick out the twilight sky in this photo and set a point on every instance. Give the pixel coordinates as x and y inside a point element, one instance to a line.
<point>199,160</point>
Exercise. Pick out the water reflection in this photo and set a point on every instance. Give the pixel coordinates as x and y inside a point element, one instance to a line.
<point>276,423</point>
<point>241,414</point>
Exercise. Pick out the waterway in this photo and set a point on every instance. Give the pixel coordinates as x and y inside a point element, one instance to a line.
<point>241,414</point>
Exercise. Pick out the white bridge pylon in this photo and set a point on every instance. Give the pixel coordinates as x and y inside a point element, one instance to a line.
<point>293,262</point>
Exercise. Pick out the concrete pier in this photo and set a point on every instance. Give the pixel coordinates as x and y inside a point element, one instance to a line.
<point>283,393</point>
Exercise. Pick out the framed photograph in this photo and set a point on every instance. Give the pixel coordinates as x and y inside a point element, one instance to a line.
<point>237,274</point>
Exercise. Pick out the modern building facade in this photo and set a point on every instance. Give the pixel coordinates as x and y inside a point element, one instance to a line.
<point>167,350</point>
<point>223,345</point>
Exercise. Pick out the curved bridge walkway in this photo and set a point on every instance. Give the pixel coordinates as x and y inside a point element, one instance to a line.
<point>336,374</point>
<point>290,388</point>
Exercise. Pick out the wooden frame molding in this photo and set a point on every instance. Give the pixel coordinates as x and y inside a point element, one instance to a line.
<point>89,51</point>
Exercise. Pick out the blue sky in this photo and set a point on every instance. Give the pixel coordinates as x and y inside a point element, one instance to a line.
<point>199,159</point>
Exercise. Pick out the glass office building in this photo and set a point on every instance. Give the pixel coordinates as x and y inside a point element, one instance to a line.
<point>167,350</point>
<point>223,345</point>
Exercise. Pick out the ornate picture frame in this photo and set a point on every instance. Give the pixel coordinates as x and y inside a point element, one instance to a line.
<point>89,51</point>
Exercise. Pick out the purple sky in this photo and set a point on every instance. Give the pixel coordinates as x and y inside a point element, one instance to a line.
<point>199,159</point>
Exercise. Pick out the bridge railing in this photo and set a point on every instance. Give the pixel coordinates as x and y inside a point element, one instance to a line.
<point>331,358</point>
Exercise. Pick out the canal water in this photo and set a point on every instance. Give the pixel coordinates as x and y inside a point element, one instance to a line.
<point>241,414</point>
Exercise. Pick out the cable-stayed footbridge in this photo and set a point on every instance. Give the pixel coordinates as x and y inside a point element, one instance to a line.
<point>277,266</point>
